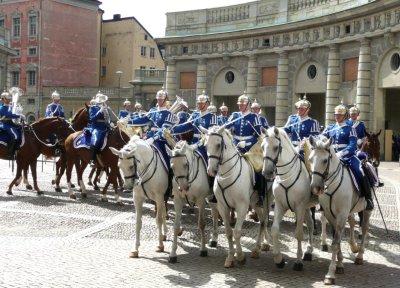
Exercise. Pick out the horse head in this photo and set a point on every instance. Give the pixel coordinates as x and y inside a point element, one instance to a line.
<point>80,118</point>
<point>321,158</point>
<point>127,163</point>
<point>179,160</point>
<point>216,145</point>
<point>272,148</point>
<point>373,147</point>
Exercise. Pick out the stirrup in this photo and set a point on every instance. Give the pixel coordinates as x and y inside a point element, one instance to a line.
<point>213,199</point>
<point>57,152</point>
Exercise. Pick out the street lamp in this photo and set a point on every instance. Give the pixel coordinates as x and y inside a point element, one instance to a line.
<point>119,73</point>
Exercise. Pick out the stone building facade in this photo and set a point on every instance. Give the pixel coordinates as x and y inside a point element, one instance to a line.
<point>279,50</point>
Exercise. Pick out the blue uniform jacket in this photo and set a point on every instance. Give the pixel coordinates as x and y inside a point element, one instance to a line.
<point>222,120</point>
<point>264,121</point>
<point>125,113</point>
<point>246,129</point>
<point>301,128</point>
<point>6,117</point>
<point>205,120</point>
<point>54,110</point>
<point>99,126</point>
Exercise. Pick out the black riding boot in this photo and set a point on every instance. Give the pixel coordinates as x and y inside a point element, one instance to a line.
<point>57,150</point>
<point>92,155</point>
<point>211,183</point>
<point>11,149</point>
<point>168,193</point>
<point>261,190</point>
<point>367,193</point>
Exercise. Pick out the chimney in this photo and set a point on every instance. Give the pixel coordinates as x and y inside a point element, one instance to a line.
<point>117,17</point>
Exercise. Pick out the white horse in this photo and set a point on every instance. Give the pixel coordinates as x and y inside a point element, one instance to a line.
<point>146,175</point>
<point>233,188</point>
<point>190,186</point>
<point>331,181</point>
<point>291,190</point>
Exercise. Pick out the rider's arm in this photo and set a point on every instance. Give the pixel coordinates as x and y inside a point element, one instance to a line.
<point>351,148</point>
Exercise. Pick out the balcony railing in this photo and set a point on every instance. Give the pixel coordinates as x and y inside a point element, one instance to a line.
<point>149,76</point>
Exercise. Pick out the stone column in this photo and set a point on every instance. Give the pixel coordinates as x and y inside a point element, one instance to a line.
<point>364,81</point>
<point>170,86</point>
<point>282,90</point>
<point>332,84</point>
<point>251,84</point>
<point>202,77</point>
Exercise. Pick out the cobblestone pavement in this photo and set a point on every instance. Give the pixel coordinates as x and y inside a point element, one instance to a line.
<point>53,241</point>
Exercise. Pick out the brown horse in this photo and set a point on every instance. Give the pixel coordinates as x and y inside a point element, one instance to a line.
<point>372,146</point>
<point>80,158</point>
<point>34,145</point>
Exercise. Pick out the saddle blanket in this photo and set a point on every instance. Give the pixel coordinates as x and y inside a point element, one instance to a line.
<point>83,141</point>
<point>5,139</point>
<point>163,155</point>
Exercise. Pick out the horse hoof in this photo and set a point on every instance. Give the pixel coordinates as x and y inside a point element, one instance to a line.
<point>213,243</point>
<point>9,193</point>
<point>134,254</point>
<point>229,264</point>
<point>58,189</point>
<point>255,254</point>
<point>173,259</point>
<point>359,261</point>
<point>254,217</point>
<point>265,247</point>
<point>339,270</point>
<point>104,199</point>
<point>204,253</point>
<point>29,187</point>
<point>96,188</point>
<point>307,257</point>
<point>160,249</point>
<point>164,238</point>
<point>325,247</point>
<point>281,264</point>
<point>329,281</point>
<point>53,182</point>
<point>39,193</point>
<point>90,183</point>
<point>242,261</point>
<point>73,196</point>
<point>354,248</point>
<point>180,232</point>
<point>84,195</point>
<point>72,185</point>
<point>298,266</point>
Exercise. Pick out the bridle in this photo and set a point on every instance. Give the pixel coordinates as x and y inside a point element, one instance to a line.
<point>223,148</point>
<point>190,170</point>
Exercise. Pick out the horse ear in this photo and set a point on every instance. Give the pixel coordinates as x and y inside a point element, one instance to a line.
<point>312,140</point>
<point>276,131</point>
<point>330,141</point>
<point>264,131</point>
<point>115,151</point>
<point>221,129</point>
<point>379,133</point>
<point>204,130</point>
<point>169,151</point>
<point>368,134</point>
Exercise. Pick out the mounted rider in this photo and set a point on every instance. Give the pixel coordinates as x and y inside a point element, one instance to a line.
<point>300,125</point>
<point>99,125</point>
<point>345,143</point>
<point>55,109</point>
<point>223,118</point>
<point>126,112</point>
<point>7,124</point>
<point>256,109</point>
<point>246,132</point>
<point>358,125</point>
<point>158,119</point>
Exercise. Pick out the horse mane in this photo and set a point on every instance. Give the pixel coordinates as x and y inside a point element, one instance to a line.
<point>284,137</point>
<point>80,110</point>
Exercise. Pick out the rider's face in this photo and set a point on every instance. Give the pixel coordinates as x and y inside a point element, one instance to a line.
<point>255,110</point>
<point>302,111</point>
<point>340,117</point>
<point>353,116</point>
<point>243,107</point>
<point>202,106</point>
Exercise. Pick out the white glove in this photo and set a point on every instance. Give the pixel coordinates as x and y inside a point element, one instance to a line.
<point>101,109</point>
<point>150,140</point>
<point>241,144</point>
<point>339,154</point>
<point>359,142</point>
<point>22,117</point>
<point>112,125</point>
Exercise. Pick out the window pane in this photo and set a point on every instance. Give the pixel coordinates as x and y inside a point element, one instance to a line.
<point>32,25</point>
<point>16,27</point>
<point>15,79</point>
<point>31,78</point>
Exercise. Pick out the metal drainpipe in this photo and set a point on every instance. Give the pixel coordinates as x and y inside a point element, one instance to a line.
<point>39,62</point>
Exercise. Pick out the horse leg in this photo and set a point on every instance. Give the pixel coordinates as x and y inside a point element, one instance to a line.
<point>330,276</point>
<point>310,229</point>
<point>215,216</point>
<point>298,264</point>
<point>28,186</point>
<point>352,222</point>
<point>113,178</point>
<point>96,179</point>
<point>313,209</point>
<point>275,232</point>
<point>17,176</point>
<point>224,212</point>
<point>178,204</point>
<point>139,212</point>
<point>159,221</point>
<point>261,232</point>
<point>90,183</point>
<point>324,236</point>
<point>365,225</point>
<point>80,180</point>
<point>70,166</point>
<point>202,225</point>
<point>34,177</point>
<point>360,216</point>
<point>237,233</point>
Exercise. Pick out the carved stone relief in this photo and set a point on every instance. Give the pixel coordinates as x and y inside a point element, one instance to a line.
<point>316,35</point>
<point>276,40</point>
<point>296,38</point>
<point>389,19</point>
<point>367,24</point>
<point>378,24</point>
<point>357,27</point>
<point>327,32</point>
<point>286,39</point>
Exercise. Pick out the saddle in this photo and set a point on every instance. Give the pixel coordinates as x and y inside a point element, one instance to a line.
<point>255,155</point>
<point>83,140</point>
<point>5,137</point>
<point>370,172</point>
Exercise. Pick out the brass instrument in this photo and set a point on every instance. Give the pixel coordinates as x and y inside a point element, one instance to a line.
<point>176,107</point>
